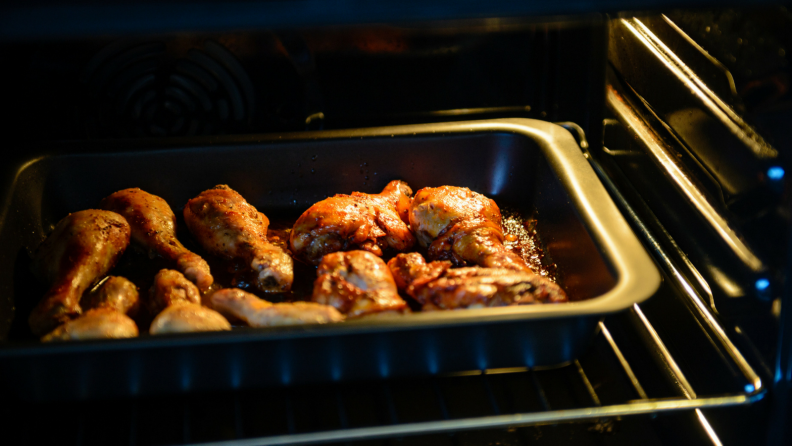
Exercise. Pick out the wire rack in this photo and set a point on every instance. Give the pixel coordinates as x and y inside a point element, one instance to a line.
<point>668,354</point>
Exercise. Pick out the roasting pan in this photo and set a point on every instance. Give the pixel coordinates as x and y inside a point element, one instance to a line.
<point>528,164</point>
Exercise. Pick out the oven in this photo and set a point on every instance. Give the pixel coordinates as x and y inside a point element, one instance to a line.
<point>681,117</point>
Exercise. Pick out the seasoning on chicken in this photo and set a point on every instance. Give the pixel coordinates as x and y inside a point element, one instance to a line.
<point>98,323</point>
<point>114,292</point>
<point>356,283</point>
<point>81,249</point>
<point>437,286</point>
<point>154,228</point>
<point>170,287</point>
<point>462,226</point>
<point>255,312</point>
<point>228,227</point>
<point>177,300</point>
<point>371,222</point>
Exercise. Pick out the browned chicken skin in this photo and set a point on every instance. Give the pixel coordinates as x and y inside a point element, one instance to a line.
<point>369,222</point>
<point>178,302</point>
<point>462,226</point>
<point>170,287</point>
<point>227,226</point>
<point>238,304</point>
<point>113,292</point>
<point>99,323</point>
<point>356,283</point>
<point>437,286</point>
<point>183,317</point>
<point>81,249</point>
<point>154,227</point>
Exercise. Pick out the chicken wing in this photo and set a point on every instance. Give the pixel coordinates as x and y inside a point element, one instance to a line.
<point>178,302</point>
<point>227,226</point>
<point>357,221</point>
<point>183,317</point>
<point>81,249</point>
<point>170,287</point>
<point>356,283</point>
<point>99,323</point>
<point>462,226</point>
<point>235,303</point>
<point>116,293</point>
<point>437,286</point>
<point>154,227</point>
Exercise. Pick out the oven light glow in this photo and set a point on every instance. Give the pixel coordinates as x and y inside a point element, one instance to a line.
<point>775,173</point>
<point>762,284</point>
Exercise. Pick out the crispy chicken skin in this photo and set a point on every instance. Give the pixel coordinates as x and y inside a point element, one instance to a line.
<point>238,304</point>
<point>184,317</point>
<point>437,286</point>
<point>113,292</point>
<point>98,323</point>
<point>462,226</point>
<point>154,228</point>
<point>228,227</point>
<point>356,283</point>
<point>81,249</point>
<point>369,222</point>
<point>171,287</point>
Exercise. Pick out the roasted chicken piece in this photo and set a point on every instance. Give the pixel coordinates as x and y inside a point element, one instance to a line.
<point>370,222</point>
<point>437,286</point>
<point>462,226</point>
<point>238,304</point>
<point>227,226</point>
<point>81,249</point>
<point>356,283</point>
<point>183,317</point>
<point>98,323</point>
<point>154,228</point>
<point>178,302</point>
<point>114,292</point>
<point>170,287</point>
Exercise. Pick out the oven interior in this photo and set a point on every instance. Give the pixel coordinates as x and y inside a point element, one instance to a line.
<point>647,96</point>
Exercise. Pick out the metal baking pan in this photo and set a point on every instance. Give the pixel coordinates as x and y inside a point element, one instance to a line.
<point>532,165</point>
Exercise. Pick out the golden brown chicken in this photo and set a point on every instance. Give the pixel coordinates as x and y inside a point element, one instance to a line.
<point>228,227</point>
<point>356,283</point>
<point>81,249</point>
<point>371,222</point>
<point>114,292</point>
<point>238,304</point>
<point>178,302</point>
<point>154,228</point>
<point>437,286</point>
<point>183,317</point>
<point>462,226</point>
<point>169,287</point>
<point>99,323</point>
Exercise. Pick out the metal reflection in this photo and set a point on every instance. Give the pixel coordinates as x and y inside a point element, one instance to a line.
<point>665,156</point>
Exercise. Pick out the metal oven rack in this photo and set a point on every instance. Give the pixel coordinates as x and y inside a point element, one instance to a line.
<point>669,354</point>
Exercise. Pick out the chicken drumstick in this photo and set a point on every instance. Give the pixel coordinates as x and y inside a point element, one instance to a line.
<point>257,312</point>
<point>369,222</point>
<point>154,227</point>
<point>437,286</point>
<point>227,226</point>
<point>81,249</point>
<point>356,283</point>
<point>462,226</point>
<point>179,302</point>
